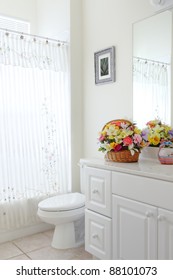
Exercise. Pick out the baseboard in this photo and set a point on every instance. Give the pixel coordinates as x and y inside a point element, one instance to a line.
<point>22,232</point>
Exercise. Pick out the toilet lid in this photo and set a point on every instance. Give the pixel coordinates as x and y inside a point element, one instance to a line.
<point>63,202</point>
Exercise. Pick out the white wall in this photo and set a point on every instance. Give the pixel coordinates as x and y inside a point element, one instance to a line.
<point>49,18</point>
<point>107,23</point>
<point>53,19</point>
<point>20,9</point>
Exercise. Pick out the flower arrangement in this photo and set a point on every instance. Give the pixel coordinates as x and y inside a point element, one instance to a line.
<point>156,133</point>
<point>118,135</point>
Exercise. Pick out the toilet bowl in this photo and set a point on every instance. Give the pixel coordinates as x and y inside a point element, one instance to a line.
<point>64,211</point>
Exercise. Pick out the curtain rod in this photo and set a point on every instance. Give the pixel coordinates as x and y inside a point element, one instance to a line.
<point>34,36</point>
<point>150,60</point>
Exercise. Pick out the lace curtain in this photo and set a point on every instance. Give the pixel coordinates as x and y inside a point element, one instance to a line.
<point>151,91</point>
<point>34,126</point>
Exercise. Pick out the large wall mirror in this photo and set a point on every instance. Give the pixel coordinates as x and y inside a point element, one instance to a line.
<point>152,54</point>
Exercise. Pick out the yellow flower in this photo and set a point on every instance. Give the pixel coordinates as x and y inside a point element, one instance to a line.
<point>117,127</point>
<point>111,137</point>
<point>154,139</point>
<point>113,145</point>
<point>123,134</point>
<point>111,130</point>
<point>158,129</point>
<point>167,128</point>
<point>137,130</point>
<point>103,133</point>
<point>143,144</point>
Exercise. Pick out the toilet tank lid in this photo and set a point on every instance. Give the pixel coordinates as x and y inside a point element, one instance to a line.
<point>63,202</point>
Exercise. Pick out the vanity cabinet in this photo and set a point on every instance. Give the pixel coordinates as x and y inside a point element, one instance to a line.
<point>129,210</point>
<point>142,230</point>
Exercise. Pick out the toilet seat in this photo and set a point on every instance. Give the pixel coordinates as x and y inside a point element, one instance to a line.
<point>64,202</point>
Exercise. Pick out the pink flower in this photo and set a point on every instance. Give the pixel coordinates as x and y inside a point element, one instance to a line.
<point>137,138</point>
<point>127,141</point>
<point>101,138</point>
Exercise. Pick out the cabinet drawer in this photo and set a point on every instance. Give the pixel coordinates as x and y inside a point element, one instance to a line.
<point>148,190</point>
<point>98,235</point>
<point>98,190</point>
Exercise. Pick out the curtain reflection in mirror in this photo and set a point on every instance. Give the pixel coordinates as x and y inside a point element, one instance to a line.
<point>151,81</point>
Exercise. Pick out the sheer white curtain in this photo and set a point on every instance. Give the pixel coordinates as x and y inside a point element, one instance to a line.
<point>34,126</point>
<point>151,92</point>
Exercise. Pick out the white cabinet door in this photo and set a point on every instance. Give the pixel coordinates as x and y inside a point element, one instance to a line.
<point>98,190</point>
<point>165,235</point>
<point>134,230</point>
<point>98,235</point>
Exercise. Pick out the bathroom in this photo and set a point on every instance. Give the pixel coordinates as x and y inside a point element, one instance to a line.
<point>81,21</point>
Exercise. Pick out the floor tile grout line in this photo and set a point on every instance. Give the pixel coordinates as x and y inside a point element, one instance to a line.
<point>76,254</point>
<point>38,249</point>
<point>22,252</point>
<point>17,246</point>
<point>11,258</point>
<point>26,252</point>
<point>34,250</point>
<point>28,256</point>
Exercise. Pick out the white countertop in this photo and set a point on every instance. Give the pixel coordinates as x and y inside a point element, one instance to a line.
<point>144,167</point>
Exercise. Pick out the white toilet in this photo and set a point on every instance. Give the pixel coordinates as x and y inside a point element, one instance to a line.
<point>66,212</point>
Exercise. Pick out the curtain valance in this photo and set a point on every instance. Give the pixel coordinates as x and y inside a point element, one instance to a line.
<point>32,52</point>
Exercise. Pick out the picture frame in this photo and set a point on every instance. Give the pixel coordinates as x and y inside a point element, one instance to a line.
<point>104,65</point>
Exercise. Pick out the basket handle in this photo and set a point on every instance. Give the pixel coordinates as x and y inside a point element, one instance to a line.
<point>118,120</point>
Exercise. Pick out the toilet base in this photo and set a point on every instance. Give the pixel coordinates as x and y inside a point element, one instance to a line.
<point>64,237</point>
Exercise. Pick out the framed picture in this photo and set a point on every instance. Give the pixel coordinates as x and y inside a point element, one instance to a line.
<point>104,63</point>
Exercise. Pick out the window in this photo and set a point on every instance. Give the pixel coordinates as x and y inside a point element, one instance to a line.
<point>14,24</point>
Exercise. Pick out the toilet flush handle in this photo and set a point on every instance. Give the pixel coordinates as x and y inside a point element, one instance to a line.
<point>94,235</point>
<point>95,191</point>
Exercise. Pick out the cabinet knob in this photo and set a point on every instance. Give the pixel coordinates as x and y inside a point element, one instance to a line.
<point>95,235</point>
<point>161,218</point>
<point>95,191</point>
<point>149,214</point>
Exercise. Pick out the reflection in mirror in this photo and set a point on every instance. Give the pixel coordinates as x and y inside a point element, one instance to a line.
<point>152,43</point>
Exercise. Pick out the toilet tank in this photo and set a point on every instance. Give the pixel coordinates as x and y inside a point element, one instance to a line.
<point>82,177</point>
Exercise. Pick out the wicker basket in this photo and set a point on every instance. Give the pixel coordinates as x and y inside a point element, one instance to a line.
<point>122,156</point>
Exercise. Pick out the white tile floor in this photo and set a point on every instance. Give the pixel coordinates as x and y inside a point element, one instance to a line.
<point>38,247</point>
